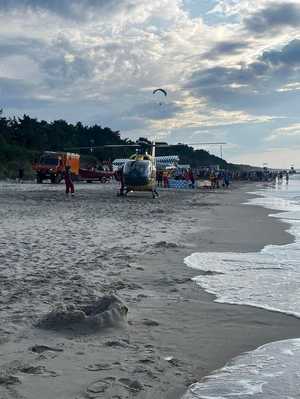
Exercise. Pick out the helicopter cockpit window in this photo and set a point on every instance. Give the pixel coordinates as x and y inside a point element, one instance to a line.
<point>139,167</point>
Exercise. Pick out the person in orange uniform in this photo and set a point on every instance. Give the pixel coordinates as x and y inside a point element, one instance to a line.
<point>68,181</point>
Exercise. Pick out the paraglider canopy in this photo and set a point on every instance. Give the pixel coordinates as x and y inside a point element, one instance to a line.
<point>161,90</point>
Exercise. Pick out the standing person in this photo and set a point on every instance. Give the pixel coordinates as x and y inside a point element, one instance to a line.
<point>212,178</point>
<point>217,176</point>
<point>159,175</point>
<point>20,174</point>
<point>166,180</point>
<point>121,177</point>
<point>191,178</point>
<point>226,179</point>
<point>69,181</point>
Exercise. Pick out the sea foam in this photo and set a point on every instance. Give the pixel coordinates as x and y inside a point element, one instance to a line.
<point>270,372</point>
<point>269,279</point>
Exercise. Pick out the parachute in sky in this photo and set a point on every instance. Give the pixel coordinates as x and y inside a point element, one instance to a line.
<point>162,94</point>
<point>161,90</point>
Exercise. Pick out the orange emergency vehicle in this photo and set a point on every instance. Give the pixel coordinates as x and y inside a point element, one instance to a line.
<point>52,165</point>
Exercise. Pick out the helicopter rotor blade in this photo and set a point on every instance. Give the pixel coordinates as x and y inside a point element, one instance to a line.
<point>188,144</point>
<point>157,145</point>
<point>103,146</point>
<point>120,145</point>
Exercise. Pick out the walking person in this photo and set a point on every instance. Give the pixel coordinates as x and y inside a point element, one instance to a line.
<point>20,174</point>
<point>68,180</point>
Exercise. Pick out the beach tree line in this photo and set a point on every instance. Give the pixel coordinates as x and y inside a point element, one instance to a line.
<point>23,139</point>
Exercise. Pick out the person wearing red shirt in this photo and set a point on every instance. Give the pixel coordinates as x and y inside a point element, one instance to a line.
<point>68,181</point>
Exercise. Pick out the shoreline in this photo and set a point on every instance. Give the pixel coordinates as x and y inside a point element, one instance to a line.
<point>260,326</point>
<point>176,334</point>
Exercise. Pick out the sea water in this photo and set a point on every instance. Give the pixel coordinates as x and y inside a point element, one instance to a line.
<point>269,279</point>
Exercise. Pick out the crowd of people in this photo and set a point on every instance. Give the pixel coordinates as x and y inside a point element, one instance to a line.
<point>219,178</point>
<point>216,178</point>
<point>162,177</point>
<point>263,175</point>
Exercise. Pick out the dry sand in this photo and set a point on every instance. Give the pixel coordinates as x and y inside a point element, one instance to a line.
<point>71,252</point>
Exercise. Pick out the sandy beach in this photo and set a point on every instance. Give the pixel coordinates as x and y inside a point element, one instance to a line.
<point>59,256</point>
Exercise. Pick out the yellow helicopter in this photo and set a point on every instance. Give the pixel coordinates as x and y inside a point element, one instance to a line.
<point>138,172</point>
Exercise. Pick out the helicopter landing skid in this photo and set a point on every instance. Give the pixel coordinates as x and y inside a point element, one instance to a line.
<point>155,194</point>
<point>124,194</point>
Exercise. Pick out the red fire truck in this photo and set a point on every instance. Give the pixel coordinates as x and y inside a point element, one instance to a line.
<point>52,165</point>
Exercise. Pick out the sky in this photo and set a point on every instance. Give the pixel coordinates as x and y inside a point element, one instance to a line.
<point>231,69</point>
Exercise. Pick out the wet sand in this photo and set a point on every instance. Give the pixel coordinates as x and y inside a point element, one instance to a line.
<point>73,251</point>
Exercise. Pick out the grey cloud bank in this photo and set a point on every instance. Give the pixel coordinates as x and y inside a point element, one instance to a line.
<point>98,61</point>
<point>225,48</point>
<point>274,16</point>
<point>271,70</point>
<point>65,8</point>
<point>288,56</point>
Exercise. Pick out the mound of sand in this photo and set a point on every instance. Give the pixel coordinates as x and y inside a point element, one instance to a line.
<point>103,312</point>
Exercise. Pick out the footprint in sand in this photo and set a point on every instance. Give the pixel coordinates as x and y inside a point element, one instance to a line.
<point>123,388</point>
<point>33,370</point>
<point>97,389</point>
<point>39,370</point>
<point>43,348</point>
<point>99,367</point>
<point>6,380</point>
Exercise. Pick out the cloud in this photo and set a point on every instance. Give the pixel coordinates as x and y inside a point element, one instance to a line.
<point>16,93</point>
<point>294,86</point>
<point>218,77</point>
<point>18,45</point>
<point>273,17</point>
<point>56,63</point>
<point>226,48</point>
<point>249,85</point>
<point>99,61</point>
<point>95,10</point>
<point>65,8</point>
<point>112,64</point>
<point>227,7</point>
<point>66,70</point>
<point>291,131</point>
<point>156,111</point>
<point>289,55</point>
<point>195,114</point>
<point>254,72</point>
